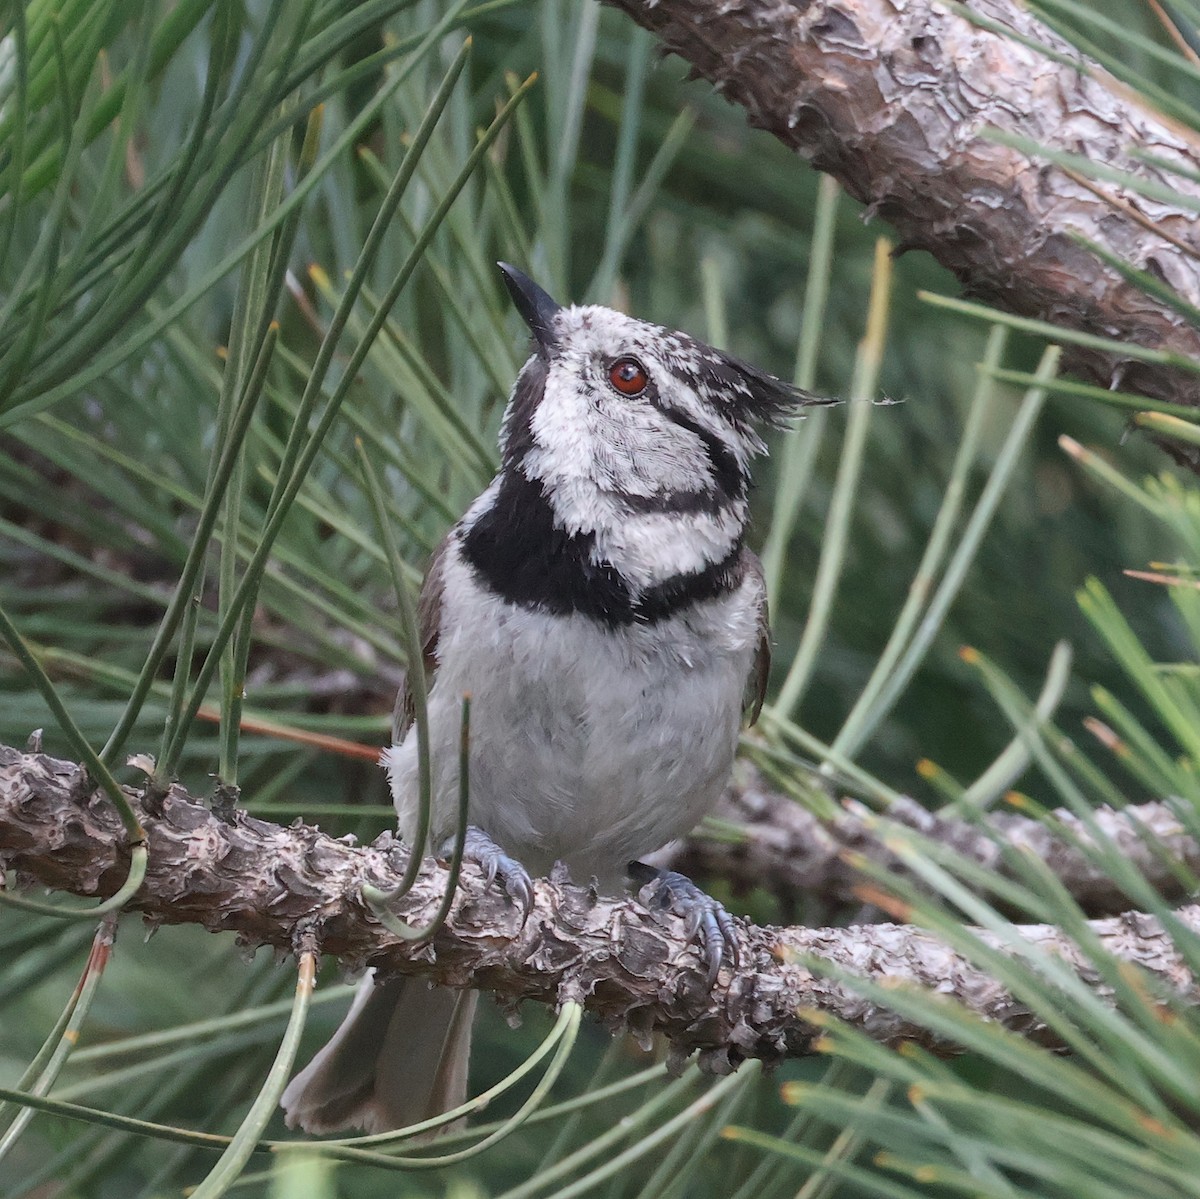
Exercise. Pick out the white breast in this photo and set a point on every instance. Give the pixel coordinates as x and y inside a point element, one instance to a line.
<point>588,745</point>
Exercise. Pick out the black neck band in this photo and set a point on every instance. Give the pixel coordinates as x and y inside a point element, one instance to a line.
<point>521,555</point>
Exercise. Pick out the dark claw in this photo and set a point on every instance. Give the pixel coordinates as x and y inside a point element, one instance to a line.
<point>479,848</point>
<point>674,892</point>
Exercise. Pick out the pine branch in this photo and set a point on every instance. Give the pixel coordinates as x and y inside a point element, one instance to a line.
<point>898,101</point>
<point>633,968</point>
<point>788,851</point>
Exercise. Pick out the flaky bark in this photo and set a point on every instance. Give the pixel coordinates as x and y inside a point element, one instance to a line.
<point>633,968</point>
<point>787,851</point>
<point>895,98</point>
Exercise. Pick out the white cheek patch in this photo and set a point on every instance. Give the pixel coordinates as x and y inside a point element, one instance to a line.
<point>642,453</point>
<point>562,434</point>
<point>599,334</point>
<point>564,455</point>
<point>621,445</point>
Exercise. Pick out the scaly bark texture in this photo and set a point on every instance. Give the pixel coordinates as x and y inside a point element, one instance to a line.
<point>789,852</point>
<point>895,98</point>
<point>633,968</point>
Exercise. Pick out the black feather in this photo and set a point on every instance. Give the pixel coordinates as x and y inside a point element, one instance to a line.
<point>520,554</point>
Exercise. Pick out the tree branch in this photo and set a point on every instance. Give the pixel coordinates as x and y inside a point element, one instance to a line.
<point>789,852</point>
<point>633,968</point>
<point>898,99</point>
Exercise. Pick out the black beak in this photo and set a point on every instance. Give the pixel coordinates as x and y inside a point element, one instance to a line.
<point>535,306</point>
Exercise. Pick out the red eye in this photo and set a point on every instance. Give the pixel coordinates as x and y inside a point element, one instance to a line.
<point>628,376</point>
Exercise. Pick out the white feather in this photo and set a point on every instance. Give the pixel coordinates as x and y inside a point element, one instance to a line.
<point>594,450</point>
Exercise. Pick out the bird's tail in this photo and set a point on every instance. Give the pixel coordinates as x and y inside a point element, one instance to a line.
<point>400,1056</point>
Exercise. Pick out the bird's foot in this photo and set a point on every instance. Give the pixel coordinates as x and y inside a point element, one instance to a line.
<point>479,848</point>
<point>705,918</point>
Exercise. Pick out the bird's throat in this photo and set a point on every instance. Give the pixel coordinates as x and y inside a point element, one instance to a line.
<point>521,549</point>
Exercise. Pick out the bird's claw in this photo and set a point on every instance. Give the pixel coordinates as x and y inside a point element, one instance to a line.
<point>704,917</point>
<point>479,848</point>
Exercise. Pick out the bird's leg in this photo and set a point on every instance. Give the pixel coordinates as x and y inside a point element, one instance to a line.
<point>479,848</point>
<point>670,891</point>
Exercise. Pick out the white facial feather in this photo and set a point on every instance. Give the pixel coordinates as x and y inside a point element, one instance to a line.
<point>583,429</point>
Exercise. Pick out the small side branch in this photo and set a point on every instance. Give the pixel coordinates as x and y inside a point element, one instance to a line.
<point>788,851</point>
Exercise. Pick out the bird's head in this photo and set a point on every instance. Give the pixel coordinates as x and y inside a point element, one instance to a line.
<point>625,444</point>
<point>646,415</point>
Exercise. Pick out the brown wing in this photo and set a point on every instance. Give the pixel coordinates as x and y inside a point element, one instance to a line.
<point>429,619</point>
<point>760,668</point>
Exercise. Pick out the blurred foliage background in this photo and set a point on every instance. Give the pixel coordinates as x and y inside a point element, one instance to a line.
<point>168,193</point>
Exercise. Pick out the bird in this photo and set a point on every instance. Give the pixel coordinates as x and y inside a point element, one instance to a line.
<point>600,606</point>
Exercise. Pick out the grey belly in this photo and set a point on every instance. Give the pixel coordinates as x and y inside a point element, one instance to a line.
<point>595,765</point>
